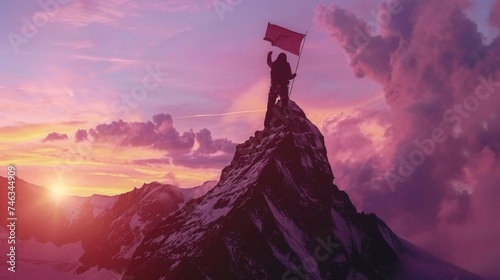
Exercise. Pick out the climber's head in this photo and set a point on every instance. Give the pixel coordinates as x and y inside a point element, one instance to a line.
<point>281,57</point>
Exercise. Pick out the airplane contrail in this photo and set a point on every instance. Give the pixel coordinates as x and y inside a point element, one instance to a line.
<point>219,114</point>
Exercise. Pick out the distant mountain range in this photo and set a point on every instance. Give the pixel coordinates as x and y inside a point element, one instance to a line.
<point>107,229</point>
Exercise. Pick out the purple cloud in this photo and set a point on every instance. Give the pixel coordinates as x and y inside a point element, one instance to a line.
<point>160,134</point>
<point>441,82</point>
<point>81,13</point>
<point>152,161</point>
<point>210,153</point>
<point>210,146</point>
<point>494,18</point>
<point>81,135</point>
<point>54,136</point>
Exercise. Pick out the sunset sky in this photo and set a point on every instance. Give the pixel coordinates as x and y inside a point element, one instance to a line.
<point>80,68</point>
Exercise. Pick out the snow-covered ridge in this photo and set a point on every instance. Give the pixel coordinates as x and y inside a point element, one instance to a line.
<point>276,214</point>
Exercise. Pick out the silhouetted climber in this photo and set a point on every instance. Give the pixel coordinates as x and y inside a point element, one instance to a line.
<point>281,74</point>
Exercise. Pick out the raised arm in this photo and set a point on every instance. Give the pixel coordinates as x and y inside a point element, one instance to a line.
<point>269,59</point>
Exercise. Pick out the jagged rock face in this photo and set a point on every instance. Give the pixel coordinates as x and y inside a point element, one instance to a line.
<point>275,214</point>
<point>111,236</point>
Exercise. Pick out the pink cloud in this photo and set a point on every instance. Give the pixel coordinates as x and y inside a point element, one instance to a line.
<point>160,134</point>
<point>494,18</point>
<point>440,82</point>
<point>54,136</point>
<point>77,44</point>
<point>152,161</point>
<point>353,37</point>
<point>170,179</point>
<point>81,13</point>
<point>356,156</point>
<point>81,135</point>
<point>101,58</point>
<point>173,6</point>
<point>210,153</point>
<point>210,146</point>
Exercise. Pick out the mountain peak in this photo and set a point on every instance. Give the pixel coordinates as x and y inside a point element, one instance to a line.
<point>276,183</point>
<point>299,137</point>
<point>276,214</point>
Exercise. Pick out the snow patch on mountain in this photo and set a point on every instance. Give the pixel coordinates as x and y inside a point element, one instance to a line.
<point>101,203</point>
<point>73,206</point>
<point>342,230</point>
<point>199,191</point>
<point>294,237</point>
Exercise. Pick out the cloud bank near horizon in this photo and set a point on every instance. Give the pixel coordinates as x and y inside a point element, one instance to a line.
<point>189,149</point>
<point>436,155</point>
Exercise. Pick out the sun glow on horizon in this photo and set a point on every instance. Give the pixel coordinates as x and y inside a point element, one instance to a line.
<point>58,191</point>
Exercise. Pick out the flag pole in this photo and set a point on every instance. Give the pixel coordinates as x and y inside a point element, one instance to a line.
<point>298,61</point>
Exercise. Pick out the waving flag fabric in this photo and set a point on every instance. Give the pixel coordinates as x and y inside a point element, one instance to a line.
<point>283,38</point>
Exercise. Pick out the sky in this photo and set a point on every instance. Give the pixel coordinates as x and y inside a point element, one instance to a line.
<point>103,96</point>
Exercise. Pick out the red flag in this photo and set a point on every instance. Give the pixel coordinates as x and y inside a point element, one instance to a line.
<point>283,38</point>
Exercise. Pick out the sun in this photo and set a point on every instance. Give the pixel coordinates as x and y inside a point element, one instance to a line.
<point>58,191</point>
